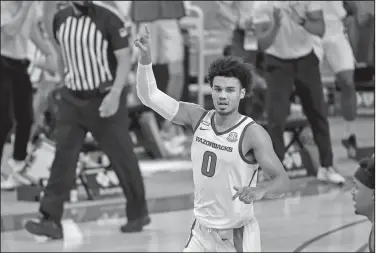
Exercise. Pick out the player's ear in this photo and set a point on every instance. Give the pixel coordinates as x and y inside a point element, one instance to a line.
<point>242,93</point>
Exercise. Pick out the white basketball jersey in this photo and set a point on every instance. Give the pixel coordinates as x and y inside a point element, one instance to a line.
<point>218,166</point>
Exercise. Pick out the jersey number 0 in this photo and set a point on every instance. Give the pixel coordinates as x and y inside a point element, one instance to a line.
<point>209,162</point>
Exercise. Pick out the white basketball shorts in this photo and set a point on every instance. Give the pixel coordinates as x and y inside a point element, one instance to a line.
<point>244,239</point>
<point>338,52</point>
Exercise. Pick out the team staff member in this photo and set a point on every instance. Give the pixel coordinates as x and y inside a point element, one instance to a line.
<point>18,22</point>
<point>94,47</point>
<point>290,61</point>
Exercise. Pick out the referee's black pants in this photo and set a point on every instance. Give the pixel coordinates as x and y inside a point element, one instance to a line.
<point>15,93</point>
<point>75,118</point>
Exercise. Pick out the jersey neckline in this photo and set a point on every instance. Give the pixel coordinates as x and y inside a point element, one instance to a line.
<point>228,130</point>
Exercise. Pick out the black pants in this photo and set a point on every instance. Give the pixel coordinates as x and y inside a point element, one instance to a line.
<point>281,76</point>
<point>75,118</point>
<point>15,93</point>
<point>238,47</point>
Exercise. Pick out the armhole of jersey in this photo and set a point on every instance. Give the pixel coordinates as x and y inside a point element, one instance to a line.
<point>199,122</point>
<point>254,176</point>
<point>242,155</point>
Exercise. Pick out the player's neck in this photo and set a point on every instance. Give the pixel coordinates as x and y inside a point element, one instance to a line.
<point>226,121</point>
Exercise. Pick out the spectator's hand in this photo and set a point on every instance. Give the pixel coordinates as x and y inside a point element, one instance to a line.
<point>143,42</point>
<point>110,104</point>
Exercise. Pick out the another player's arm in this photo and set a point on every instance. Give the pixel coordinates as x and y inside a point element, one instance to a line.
<point>180,113</point>
<point>258,140</point>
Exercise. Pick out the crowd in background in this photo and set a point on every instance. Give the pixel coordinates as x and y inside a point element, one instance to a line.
<point>68,73</point>
<point>231,18</point>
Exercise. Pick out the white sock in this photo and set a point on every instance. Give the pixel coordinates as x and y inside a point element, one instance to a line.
<point>349,128</point>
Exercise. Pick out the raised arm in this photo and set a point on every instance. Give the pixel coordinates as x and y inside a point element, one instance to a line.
<point>180,113</point>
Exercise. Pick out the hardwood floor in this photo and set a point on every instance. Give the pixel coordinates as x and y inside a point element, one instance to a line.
<point>323,222</point>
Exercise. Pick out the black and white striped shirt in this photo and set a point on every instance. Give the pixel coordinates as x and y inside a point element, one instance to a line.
<point>87,44</point>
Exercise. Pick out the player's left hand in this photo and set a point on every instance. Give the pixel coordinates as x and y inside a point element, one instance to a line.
<point>248,194</point>
<point>110,104</point>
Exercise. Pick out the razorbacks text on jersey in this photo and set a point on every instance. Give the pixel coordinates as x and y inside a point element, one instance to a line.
<point>218,165</point>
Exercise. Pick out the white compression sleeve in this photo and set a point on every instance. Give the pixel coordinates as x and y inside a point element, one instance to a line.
<point>151,96</point>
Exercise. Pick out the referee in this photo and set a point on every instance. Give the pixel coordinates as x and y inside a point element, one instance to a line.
<point>94,46</point>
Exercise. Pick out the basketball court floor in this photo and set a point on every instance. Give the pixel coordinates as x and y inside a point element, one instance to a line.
<point>314,216</point>
<point>320,222</point>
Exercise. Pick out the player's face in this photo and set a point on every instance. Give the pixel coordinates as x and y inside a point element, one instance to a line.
<point>226,94</point>
<point>363,198</point>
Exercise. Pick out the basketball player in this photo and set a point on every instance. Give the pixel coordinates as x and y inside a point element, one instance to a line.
<point>225,148</point>
<point>364,194</point>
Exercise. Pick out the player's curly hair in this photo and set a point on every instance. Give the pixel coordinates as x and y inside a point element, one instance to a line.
<point>366,172</point>
<point>231,66</point>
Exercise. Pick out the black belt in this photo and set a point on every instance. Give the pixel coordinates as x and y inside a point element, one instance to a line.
<point>14,63</point>
<point>88,94</point>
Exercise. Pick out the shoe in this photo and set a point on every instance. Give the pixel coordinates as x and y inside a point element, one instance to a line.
<point>135,225</point>
<point>16,166</point>
<point>330,175</point>
<point>45,227</point>
<point>350,146</point>
<point>13,181</point>
<point>322,174</point>
<point>18,169</point>
<point>9,183</point>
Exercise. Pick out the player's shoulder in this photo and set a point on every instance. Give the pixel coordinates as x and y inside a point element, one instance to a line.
<point>253,130</point>
<point>193,110</point>
<point>247,121</point>
<point>195,114</point>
